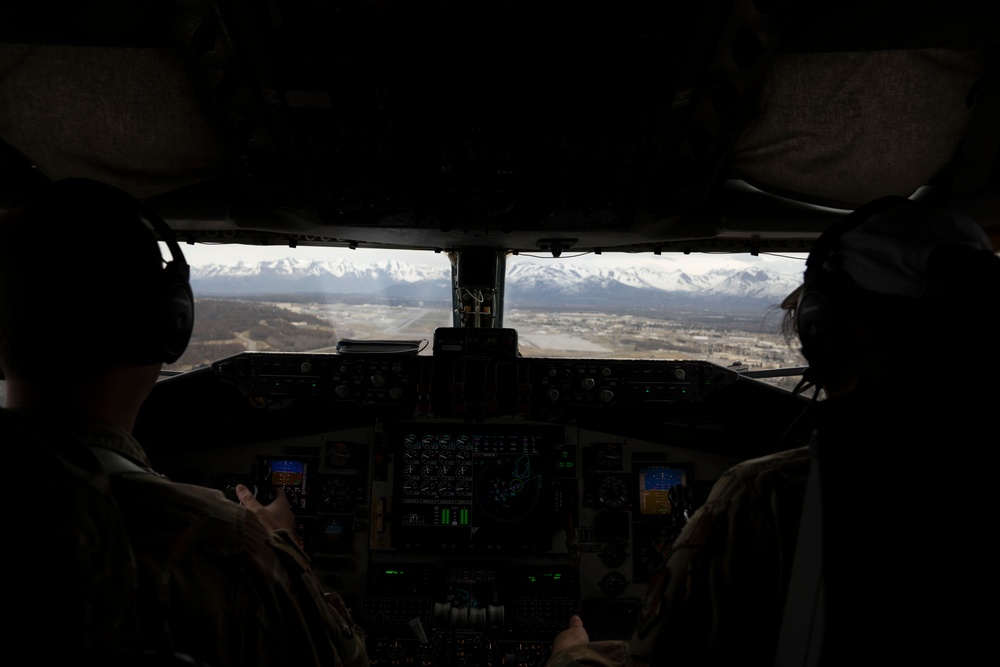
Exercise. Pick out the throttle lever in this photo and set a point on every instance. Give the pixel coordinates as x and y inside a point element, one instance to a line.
<point>260,481</point>
<point>681,501</point>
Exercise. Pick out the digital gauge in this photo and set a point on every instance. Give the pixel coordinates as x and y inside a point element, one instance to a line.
<point>506,489</point>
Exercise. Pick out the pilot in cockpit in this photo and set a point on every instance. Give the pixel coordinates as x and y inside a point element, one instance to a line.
<point>898,307</point>
<point>81,272</point>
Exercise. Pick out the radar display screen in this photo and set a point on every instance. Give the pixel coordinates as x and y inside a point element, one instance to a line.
<point>482,487</point>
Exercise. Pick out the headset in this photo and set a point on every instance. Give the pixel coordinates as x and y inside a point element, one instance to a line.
<point>825,292</point>
<point>877,261</point>
<point>168,312</point>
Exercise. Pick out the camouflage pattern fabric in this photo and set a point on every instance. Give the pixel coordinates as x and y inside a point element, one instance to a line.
<point>139,563</point>
<point>71,579</point>
<point>720,596</point>
<point>215,584</point>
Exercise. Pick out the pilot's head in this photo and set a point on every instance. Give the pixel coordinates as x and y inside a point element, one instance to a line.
<point>83,286</point>
<point>889,288</point>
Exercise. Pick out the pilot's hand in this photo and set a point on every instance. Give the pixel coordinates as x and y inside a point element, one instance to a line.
<point>275,516</point>
<point>572,636</point>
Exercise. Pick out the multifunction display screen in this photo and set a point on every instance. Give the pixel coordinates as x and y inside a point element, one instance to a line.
<point>473,487</point>
<point>655,483</point>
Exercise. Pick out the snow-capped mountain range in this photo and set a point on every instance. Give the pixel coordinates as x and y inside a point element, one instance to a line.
<point>565,284</point>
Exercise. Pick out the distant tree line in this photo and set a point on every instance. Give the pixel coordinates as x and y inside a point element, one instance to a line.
<point>223,328</point>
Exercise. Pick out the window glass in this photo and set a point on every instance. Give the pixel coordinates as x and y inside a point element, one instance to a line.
<point>721,308</point>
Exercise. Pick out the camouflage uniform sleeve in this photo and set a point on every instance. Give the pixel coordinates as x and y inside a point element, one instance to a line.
<point>607,653</point>
<point>338,639</point>
<point>720,595</point>
<point>215,584</point>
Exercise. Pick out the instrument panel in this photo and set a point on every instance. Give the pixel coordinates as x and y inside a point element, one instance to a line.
<point>475,543</point>
<point>474,387</point>
<point>466,507</point>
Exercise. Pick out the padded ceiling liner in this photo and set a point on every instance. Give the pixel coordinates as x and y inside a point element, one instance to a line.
<point>126,116</point>
<point>837,128</point>
<point>263,126</point>
<point>845,128</point>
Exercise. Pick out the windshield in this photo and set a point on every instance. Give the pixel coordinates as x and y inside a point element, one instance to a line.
<point>720,308</point>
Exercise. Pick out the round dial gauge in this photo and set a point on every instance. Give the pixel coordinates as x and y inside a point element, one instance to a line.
<point>613,555</point>
<point>337,495</point>
<point>613,491</point>
<point>609,456</point>
<point>613,584</point>
<point>338,455</point>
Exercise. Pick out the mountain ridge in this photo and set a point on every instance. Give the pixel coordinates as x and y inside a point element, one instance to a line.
<point>527,284</point>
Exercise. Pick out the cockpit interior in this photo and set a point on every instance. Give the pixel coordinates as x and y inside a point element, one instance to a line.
<point>466,498</point>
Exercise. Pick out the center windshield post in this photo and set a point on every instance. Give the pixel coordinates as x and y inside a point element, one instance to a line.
<point>478,278</point>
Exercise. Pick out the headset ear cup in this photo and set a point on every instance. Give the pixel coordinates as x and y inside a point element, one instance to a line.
<point>825,320</point>
<point>158,328</point>
<point>814,323</point>
<point>176,317</point>
<point>824,339</point>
